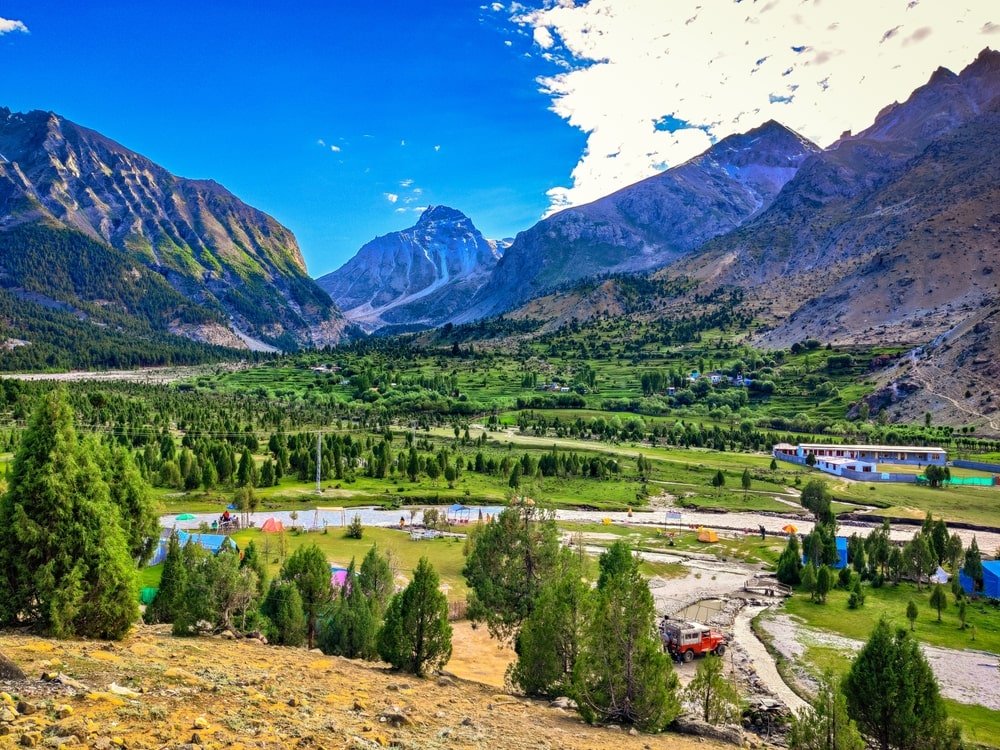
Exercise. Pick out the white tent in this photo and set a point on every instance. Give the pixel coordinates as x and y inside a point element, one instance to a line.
<point>940,576</point>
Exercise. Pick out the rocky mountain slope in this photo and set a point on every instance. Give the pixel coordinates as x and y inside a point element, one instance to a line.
<point>240,269</point>
<point>416,277</point>
<point>154,691</point>
<point>891,235</point>
<point>651,223</point>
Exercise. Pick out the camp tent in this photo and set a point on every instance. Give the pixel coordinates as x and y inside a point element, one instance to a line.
<point>272,526</point>
<point>213,543</point>
<point>940,576</point>
<point>841,553</point>
<point>338,576</point>
<point>841,542</point>
<point>991,579</point>
<point>707,535</point>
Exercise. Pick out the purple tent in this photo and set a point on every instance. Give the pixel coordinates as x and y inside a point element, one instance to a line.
<point>338,576</point>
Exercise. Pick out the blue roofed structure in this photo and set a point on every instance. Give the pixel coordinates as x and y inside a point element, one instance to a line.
<point>991,580</point>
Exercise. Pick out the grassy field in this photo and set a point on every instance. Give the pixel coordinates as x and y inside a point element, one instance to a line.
<point>890,602</point>
<point>980,725</point>
<point>970,504</point>
<point>751,549</point>
<point>445,554</point>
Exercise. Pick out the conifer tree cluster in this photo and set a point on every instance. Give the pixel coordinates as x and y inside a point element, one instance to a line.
<point>598,645</point>
<point>75,522</point>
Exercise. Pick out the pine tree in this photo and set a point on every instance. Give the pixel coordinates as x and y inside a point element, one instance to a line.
<point>857,598</point>
<point>283,609</point>
<point>64,556</point>
<point>911,612</point>
<point>267,478</point>
<point>416,635</point>
<point>823,584</point>
<point>170,595</point>
<point>973,567</point>
<point>352,627</point>
<point>246,473</point>
<point>253,560</point>
<point>939,599</point>
<point>308,569</point>
<point>809,581</point>
<point>825,725</point>
<point>375,580</point>
<point>130,493</point>
<point>549,641</point>
<point>714,697</point>
<point>719,480</point>
<point>790,563</point>
<point>355,529</point>
<point>621,673</point>
<point>194,603</point>
<point>745,482</point>
<point>893,696</point>
<point>506,567</point>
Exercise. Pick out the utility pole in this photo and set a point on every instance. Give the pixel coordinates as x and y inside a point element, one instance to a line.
<point>319,461</point>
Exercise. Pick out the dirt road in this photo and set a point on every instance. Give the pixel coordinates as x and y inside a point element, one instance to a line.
<point>965,676</point>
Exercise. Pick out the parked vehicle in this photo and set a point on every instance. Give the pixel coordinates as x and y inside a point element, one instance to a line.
<point>686,640</point>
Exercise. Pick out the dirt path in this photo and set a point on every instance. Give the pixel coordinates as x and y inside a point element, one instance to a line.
<point>763,662</point>
<point>965,676</point>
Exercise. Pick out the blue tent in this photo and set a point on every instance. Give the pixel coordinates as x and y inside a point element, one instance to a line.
<point>214,543</point>
<point>991,580</point>
<point>841,554</point>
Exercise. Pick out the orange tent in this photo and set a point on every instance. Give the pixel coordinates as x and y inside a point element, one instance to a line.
<point>272,526</point>
<point>789,529</point>
<point>707,535</point>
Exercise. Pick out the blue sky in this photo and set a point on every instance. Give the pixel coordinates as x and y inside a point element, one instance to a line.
<point>343,118</point>
<point>243,93</point>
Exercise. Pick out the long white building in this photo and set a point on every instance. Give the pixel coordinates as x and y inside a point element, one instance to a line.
<point>865,457</point>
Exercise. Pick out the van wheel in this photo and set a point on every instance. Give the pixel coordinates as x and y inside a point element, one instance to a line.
<point>721,649</point>
<point>688,656</point>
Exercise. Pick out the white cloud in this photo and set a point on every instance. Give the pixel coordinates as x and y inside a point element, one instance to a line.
<point>402,143</point>
<point>321,142</point>
<point>391,197</point>
<point>418,191</point>
<point>543,37</point>
<point>819,68</point>
<point>437,148</point>
<point>8,25</point>
<point>508,43</point>
<point>405,183</point>
<point>335,148</point>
